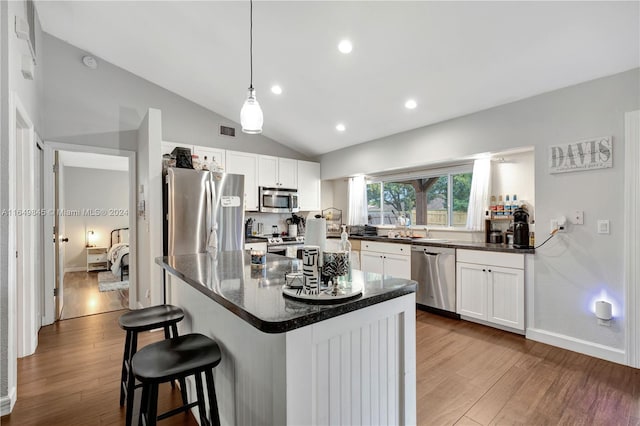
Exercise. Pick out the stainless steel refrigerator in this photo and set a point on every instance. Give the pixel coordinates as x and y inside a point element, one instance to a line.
<point>204,211</point>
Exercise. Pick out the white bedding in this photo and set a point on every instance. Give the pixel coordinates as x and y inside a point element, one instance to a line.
<point>115,255</point>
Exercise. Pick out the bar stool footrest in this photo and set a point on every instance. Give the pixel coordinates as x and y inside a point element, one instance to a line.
<point>178,410</point>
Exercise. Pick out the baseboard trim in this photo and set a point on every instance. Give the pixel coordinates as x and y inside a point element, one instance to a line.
<point>75,269</point>
<point>577,345</point>
<point>7,402</point>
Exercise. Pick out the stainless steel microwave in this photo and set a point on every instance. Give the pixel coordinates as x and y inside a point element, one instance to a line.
<point>278,200</point>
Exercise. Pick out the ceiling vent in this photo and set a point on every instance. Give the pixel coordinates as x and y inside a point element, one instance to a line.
<point>227,131</point>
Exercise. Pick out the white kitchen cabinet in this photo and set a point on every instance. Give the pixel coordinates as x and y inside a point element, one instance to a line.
<point>276,172</point>
<point>490,287</point>
<point>386,258</point>
<point>208,154</point>
<point>245,163</point>
<point>309,185</point>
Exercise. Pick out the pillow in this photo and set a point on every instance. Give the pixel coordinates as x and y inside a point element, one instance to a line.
<point>124,236</point>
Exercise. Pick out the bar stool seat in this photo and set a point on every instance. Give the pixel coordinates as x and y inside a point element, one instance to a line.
<point>134,322</point>
<point>176,359</point>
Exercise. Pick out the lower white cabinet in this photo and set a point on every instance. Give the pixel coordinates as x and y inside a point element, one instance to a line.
<point>386,258</point>
<point>256,246</point>
<point>490,287</point>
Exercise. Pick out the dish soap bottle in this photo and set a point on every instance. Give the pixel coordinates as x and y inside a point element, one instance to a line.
<point>345,247</point>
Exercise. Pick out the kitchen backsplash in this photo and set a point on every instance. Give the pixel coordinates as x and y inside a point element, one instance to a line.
<point>270,219</point>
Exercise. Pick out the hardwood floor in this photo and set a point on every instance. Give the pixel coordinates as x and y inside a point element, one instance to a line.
<point>74,376</point>
<point>82,297</point>
<point>468,374</point>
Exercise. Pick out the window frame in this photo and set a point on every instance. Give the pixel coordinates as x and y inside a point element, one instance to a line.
<point>423,174</point>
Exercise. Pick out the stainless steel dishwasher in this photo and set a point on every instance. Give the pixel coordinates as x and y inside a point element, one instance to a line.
<point>434,268</point>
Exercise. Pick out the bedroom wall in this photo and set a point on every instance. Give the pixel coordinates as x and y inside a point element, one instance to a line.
<point>93,189</point>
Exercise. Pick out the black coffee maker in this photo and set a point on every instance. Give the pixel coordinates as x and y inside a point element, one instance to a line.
<point>520,228</point>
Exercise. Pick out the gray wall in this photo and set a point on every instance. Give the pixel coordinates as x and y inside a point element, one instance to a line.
<point>574,268</point>
<point>104,107</point>
<point>92,189</point>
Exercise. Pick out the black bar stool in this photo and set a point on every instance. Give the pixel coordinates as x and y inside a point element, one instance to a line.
<point>134,322</point>
<point>176,359</point>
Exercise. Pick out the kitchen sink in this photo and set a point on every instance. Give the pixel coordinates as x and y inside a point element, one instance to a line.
<point>431,240</point>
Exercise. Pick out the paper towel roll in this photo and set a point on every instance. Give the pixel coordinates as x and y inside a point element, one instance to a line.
<point>316,234</point>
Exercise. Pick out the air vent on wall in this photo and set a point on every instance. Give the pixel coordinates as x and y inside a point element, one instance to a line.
<point>227,131</point>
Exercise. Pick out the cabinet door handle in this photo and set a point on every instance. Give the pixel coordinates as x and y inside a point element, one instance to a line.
<point>489,270</point>
<point>484,270</point>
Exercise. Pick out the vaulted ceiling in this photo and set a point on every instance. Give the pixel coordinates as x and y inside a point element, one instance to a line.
<point>452,58</point>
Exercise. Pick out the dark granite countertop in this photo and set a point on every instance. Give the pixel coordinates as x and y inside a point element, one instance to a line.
<point>448,243</point>
<point>256,295</point>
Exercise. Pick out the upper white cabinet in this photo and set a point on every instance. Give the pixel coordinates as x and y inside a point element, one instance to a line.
<point>276,172</point>
<point>309,185</point>
<point>245,163</point>
<point>206,154</point>
<point>490,287</point>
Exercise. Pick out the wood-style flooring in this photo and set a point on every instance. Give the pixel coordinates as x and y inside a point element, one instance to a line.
<point>467,374</point>
<point>74,376</point>
<point>470,374</point>
<point>81,296</point>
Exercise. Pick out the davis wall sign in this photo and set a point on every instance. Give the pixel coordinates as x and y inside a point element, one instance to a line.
<point>590,154</point>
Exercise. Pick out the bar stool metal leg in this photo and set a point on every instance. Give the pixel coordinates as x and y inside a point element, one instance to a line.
<point>125,370</point>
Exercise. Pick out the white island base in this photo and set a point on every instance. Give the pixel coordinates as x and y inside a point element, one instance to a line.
<point>358,368</point>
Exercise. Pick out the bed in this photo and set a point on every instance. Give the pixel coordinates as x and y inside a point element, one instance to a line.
<point>118,254</point>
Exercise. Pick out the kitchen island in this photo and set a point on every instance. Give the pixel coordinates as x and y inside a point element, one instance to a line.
<point>290,362</point>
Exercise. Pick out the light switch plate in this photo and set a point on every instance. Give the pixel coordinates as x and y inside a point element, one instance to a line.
<point>577,217</point>
<point>603,226</point>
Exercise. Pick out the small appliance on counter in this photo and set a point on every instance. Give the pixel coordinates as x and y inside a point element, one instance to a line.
<point>520,228</point>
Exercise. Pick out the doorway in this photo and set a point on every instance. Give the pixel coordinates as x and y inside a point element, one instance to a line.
<point>92,194</point>
<point>90,259</point>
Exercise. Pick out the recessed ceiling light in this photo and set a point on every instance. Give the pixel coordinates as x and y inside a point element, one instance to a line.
<point>410,104</point>
<point>276,90</point>
<point>345,46</point>
<point>340,127</point>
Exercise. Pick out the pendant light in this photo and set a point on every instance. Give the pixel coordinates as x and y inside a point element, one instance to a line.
<point>251,115</point>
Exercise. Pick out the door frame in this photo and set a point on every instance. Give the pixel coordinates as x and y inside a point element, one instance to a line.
<point>632,237</point>
<point>49,315</point>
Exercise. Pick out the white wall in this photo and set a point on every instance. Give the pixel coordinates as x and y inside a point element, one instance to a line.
<point>104,107</point>
<point>29,93</point>
<point>93,189</point>
<point>573,268</point>
<point>515,175</point>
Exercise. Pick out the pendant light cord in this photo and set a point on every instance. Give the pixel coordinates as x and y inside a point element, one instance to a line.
<point>251,42</point>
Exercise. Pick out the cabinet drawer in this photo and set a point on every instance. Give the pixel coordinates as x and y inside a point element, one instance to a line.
<point>95,258</point>
<point>506,260</point>
<point>401,249</point>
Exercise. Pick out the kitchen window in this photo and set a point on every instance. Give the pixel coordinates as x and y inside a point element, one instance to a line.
<point>438,199</point>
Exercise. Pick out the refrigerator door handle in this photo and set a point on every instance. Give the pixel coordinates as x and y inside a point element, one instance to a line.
<point>212,224</point>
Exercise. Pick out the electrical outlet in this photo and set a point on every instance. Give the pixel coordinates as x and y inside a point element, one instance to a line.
<point>577,217</point>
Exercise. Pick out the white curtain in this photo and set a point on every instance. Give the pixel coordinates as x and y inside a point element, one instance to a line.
<point>357,201</point>
<point>479,196</point>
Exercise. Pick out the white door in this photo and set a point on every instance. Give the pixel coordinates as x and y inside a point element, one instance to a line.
<point>397,266</point>
<point>471,290</point>
<point>505,292</point>
<point>245,163</point>
<point>371,262</point>
<point>288,173</point>
<point>268,171</point>
<point>59,237</point>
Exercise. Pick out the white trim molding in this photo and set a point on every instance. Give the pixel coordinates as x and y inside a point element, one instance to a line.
<point>577,345</point>
<point>632,236</point>
<point>7,402</point>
